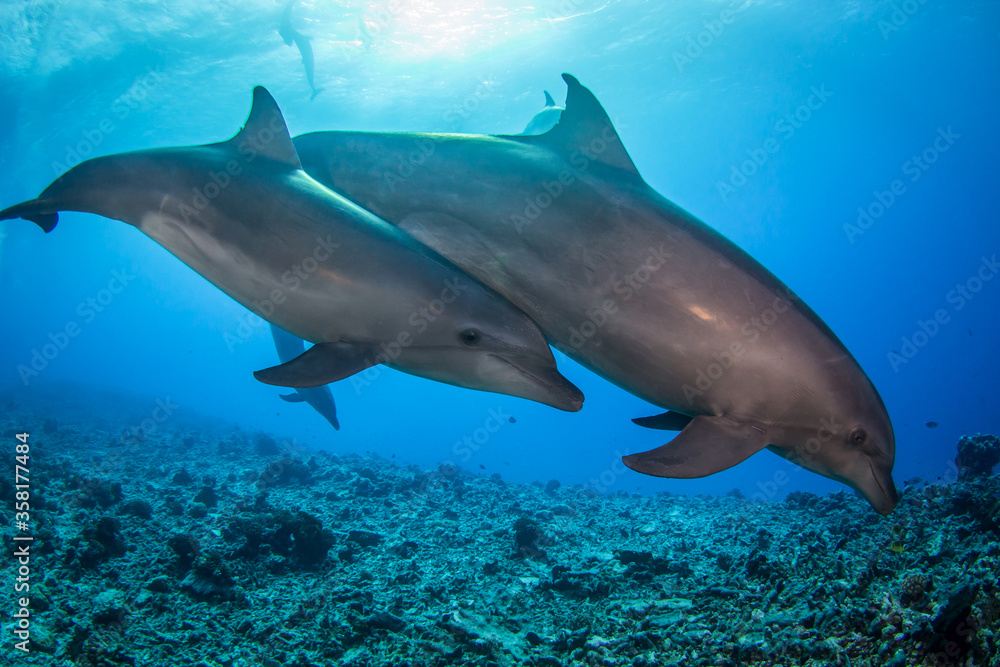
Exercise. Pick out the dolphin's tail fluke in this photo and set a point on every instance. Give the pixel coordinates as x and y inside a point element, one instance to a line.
<point>36,210</point>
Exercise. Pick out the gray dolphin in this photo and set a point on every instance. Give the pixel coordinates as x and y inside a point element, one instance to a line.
<point>289,346</point>
<point>631,286</point>
<point>320,398</point>
<point>290,35</point>
<point>244,215</point>
<point>546,119</point>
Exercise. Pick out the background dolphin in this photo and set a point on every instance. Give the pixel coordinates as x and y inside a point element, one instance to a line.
<point>320,398</point>
<point>546,119</point>
<point>244,215</point>
<point>290,35</point>
<point>631,286</point>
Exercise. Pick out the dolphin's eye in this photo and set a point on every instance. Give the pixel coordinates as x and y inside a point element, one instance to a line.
<point>470,337</point>
<point>858,437</point>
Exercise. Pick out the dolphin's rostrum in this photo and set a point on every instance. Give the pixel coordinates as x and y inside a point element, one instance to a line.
<point>632,286</point>
<point>244,215</point>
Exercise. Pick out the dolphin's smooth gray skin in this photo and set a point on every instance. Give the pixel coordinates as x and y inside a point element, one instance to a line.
<point>290,347</point>
<point>290,35</point>
<point>546,119</point>
<point>244,215</point>
<point>631,286</point>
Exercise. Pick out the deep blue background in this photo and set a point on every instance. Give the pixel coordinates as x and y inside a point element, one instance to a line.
<point>183,72</point>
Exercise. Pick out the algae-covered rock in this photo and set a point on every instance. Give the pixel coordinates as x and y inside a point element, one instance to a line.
<point>108,607</point>
<point>210,578</point>
<point>977,455</point>
<point>426,575</point>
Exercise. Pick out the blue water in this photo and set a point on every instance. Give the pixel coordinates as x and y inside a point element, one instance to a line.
<point>833,102</point>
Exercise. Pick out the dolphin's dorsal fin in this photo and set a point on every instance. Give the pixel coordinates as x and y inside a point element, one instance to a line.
<point>585,127</point>
<point>265,132</point>
<point>549,102</point>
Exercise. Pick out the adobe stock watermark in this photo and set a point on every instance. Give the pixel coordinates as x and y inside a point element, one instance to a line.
<point>410,162</point>
<point>459,112</point>
<point>785,129</point>
<point>624,289</point>
<point>164,409</point>
<point>418,322</point>
<point>801,455</point>
<point>610,475</point>
<point>705,38</point>
<point>291,280</point>
<point>724,360</point>
<point>957,298</point>
<point>86,311</point>
<point>899,16</point>
<point>914,168</point>
<point>121,108</point>
<point>947,643</point>
<point>465,448</point>
<point>376,20</point>
<point>251,146</point>
<point>550,191</point>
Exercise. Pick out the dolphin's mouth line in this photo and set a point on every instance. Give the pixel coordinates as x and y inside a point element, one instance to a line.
<point>534,377</point>
<point>881,488</point>
<point>565,388</point>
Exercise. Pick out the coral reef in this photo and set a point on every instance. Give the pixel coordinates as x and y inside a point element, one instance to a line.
<point>164,552</point>
<point>978,455</point>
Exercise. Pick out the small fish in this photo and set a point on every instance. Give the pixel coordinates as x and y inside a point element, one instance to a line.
<point>931,424</point>
<point>512,420</point>
<point>898,547</point>
<point>970,332</point>
<point>482,466</point>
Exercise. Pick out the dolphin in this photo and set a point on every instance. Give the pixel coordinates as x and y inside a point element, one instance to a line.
<point>244,215</point>
<point>546,119</point>
<point>320,398</point>
<point>289,346</point>
<point>290,35</point>
<point>631,286</point>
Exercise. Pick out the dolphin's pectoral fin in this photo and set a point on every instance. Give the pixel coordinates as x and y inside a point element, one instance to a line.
<point>47,221</point>
<point>331,416</point>
<point>291,398</point>
<point>706,446</point>
<point>321,364</point>
<point>668,421</point>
